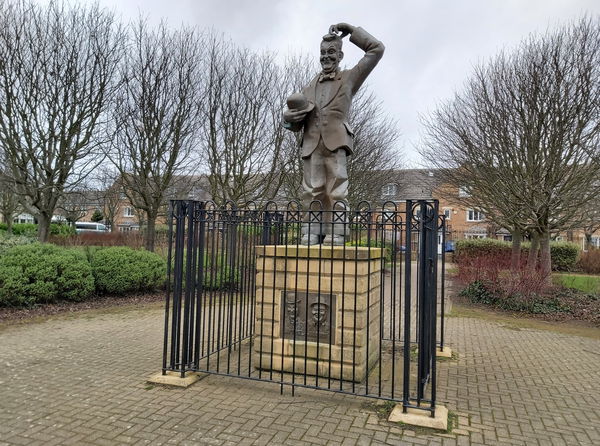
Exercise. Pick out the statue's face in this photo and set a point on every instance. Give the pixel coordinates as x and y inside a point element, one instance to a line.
<point>331,54</point>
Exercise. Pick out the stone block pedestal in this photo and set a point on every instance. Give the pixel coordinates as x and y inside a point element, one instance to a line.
<point>318,310</point>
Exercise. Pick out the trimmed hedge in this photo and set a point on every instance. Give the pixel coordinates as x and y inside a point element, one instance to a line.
<point>122,269</point>
<point>30,229</point>
<point>564,255</point>
<point>480,247</point>
<point>38,273</point>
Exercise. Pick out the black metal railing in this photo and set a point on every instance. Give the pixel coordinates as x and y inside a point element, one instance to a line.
<point>343,300</point>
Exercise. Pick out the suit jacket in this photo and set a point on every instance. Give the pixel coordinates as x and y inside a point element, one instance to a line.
<point>328,119</point>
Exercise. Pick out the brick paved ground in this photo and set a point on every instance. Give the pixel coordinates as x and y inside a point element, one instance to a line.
<point>81,380</point>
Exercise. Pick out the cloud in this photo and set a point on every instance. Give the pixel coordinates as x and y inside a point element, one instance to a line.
<point>431,45</point>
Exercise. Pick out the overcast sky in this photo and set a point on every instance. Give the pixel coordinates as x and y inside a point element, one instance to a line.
<point>431,45</point>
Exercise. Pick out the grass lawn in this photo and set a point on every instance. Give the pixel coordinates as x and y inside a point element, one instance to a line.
<point>582,282</point>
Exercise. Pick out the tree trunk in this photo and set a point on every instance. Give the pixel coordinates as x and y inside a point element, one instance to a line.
<point>533,251</point>
<point>8,219</point>
<point>588,241</point>
<point>545,256</point>
<point>515,255</point>
<point>150,232</point>
<point>43,227</point>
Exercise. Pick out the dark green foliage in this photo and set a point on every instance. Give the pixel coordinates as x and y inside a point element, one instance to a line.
<point>120,270</point>
<point>482,293</point>
<point>62,229</point>
<point>218,274</point>
<point>478,292</point>
<point>480,247</point>
<point>97,216</point>
<point>30,229</point>
<point>38,273</point>
<point>564,255</point>
<point>26,229</point>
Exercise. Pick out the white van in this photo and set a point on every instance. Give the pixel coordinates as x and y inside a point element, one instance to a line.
<point>85,226</point>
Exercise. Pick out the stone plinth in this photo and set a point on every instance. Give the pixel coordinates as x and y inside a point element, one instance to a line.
<point>317,309</point>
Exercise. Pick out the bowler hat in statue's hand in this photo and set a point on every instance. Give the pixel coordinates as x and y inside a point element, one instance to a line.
<point>298,102</point>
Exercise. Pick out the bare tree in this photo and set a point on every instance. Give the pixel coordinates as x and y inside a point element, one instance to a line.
<point>74,204</point>
<point>56,73</point>
<point>376,154</point>
<point>241,135</point>
<point>522,138</point>
<point>156,116</point>
<point>109,195</point>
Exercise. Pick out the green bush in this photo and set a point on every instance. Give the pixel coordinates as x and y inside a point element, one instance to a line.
<point>478,292</point>
<point>120,269</point>
<point>26,229</point>
<point>480,247</point>
<point>8,241</point>
<point>30,229</point>
<point>483,293</point>
<point>37,273</point>
<point>62,229</point>
<point>564,255</point>
<point>374,244</point>
<point>218,274</point>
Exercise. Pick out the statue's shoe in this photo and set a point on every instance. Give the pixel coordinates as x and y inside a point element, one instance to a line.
<point>335,240</point>
<point>312,239</point>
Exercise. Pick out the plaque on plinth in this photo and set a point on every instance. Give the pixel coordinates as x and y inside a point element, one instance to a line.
<point>317,310</point>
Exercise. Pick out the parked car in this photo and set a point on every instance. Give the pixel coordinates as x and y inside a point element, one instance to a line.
<point>449,246</point>
<point>88,226</point>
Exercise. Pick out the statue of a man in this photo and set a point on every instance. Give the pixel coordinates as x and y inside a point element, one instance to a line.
<point>321,111</point>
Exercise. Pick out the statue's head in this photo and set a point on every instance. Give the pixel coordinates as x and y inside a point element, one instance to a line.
<point>331,52</point>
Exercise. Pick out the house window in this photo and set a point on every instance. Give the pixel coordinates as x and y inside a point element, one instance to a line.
<point>473,215</point>
<point>129,212</point>
<point>463,192</point>
<point>389,190</point>
<point>448,213</point>
<point>474,236</point>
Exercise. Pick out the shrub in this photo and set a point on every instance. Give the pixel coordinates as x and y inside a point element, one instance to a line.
<point>30,229</point>
<point>8,241</point>
<point>478,292</point>
<point>218,274</point>
<point>480,247</point>
<point>36,273</point>
<point>61,229</point>
<point>26,229</point>
<point>589,262</point>
<point>564,255</point>
<point>374,244</point>
<point>120,269</point>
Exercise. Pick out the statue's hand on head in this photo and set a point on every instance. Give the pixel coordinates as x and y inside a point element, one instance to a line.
<point>343,29</point>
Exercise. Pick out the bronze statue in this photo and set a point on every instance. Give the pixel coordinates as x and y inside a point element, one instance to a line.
<point>321,111</point>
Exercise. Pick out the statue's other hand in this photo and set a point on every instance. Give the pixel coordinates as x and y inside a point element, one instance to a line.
<point>343,28</point>
<point>294,115</point>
